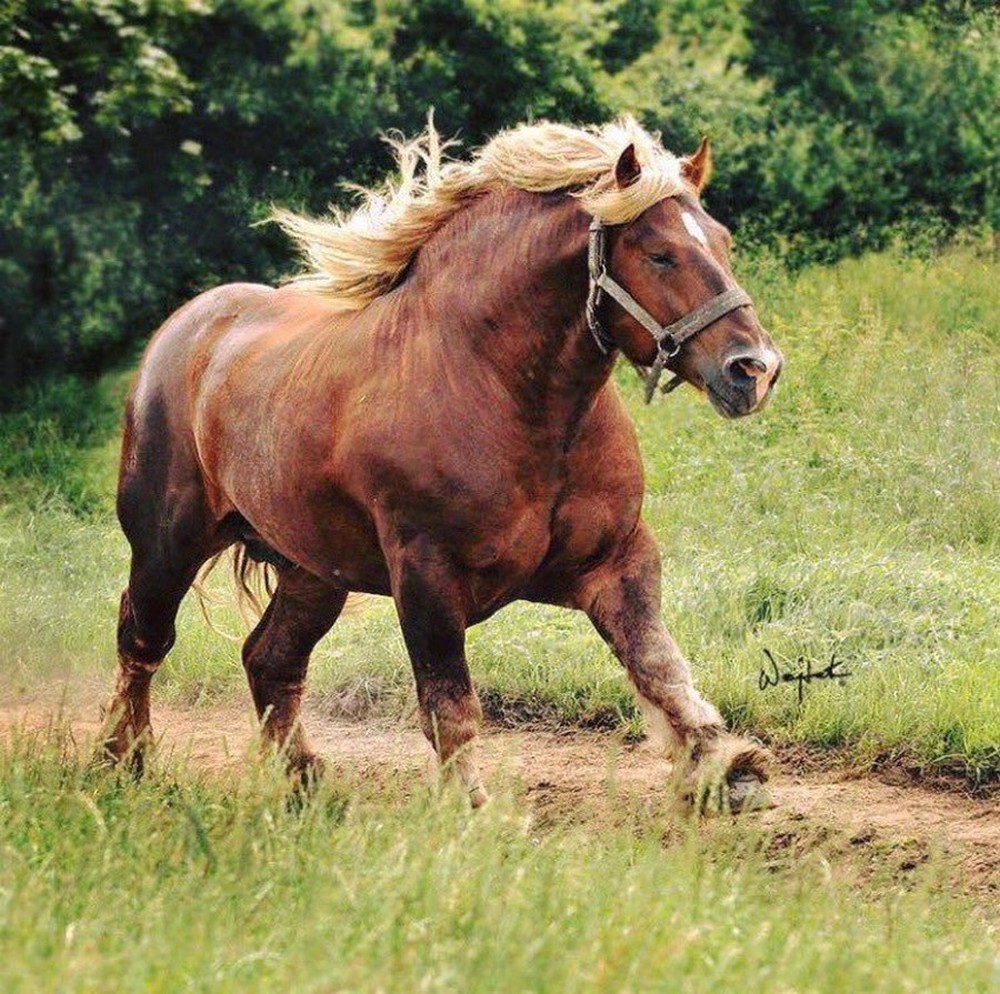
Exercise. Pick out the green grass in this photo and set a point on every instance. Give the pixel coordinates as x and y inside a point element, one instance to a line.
<point>59,440</point>
<point>189,884</point>
<point>859,515</point>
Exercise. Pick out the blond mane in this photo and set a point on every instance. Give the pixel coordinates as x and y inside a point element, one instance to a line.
<point>356,256</point>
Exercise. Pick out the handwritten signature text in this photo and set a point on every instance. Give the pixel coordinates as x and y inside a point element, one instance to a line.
<point>771,675</point>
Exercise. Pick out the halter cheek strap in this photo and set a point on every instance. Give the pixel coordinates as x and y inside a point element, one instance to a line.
<point>669,338</point>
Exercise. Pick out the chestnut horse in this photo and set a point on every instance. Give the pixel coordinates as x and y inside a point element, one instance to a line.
<point>428,413</point>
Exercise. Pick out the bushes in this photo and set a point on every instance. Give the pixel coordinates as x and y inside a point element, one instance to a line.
<point>884,118</point>
<point>838,126</point>
<point>141,140</point>
<point>165,130</point>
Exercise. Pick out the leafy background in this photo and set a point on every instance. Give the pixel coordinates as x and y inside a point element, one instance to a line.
<point>140,139</point>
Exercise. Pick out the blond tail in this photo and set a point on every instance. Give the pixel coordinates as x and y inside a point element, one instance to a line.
<point>255,585</point>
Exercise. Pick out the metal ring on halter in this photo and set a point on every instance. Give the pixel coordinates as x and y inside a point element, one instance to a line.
<point>670,355</point>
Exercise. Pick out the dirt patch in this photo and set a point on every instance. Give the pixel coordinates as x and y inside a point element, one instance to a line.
<point>580,776</point>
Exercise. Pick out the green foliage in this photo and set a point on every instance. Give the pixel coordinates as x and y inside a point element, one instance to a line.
<point>485,64</point>
<point>838,127</point>
<point>885,114</point>
<point>140,141</point>
<point>635,31</point>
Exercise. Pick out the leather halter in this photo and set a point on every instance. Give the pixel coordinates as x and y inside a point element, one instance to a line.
<point>670,337</point>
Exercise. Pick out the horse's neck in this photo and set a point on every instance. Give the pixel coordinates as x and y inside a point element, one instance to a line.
<point>506,281</point>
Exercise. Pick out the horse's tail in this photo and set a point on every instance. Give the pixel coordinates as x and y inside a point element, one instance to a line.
<point>255,583</point>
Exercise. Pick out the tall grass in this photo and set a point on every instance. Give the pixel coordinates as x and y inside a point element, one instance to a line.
<point>858,516</point>
<point>186,884</point>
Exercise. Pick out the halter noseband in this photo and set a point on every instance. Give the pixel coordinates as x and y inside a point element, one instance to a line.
<point>669,338</point>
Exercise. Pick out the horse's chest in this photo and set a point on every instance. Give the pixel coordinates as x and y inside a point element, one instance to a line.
<point>499,558</point>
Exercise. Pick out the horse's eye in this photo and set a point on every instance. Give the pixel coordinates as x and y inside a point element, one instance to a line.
<point>662,259</point>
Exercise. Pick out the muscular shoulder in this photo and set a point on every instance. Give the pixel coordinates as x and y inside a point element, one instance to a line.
<point>602,499</point>
<point>605,455</point>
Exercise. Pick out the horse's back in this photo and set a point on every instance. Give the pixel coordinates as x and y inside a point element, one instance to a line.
<point>164,369</point>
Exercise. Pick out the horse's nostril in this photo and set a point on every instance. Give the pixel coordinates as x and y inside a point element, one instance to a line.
<point>745,368</point>
<point>754,367</point>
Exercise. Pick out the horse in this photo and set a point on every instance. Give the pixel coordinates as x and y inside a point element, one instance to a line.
<point>427,412</point>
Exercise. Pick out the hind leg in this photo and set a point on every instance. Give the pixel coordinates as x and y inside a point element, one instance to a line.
<point>276,658</point>
<point>158,580</point>
<point>164,515</point>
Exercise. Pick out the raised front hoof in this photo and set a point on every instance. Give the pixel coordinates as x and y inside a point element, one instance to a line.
<point>746,793</point>
<point>727,775</point>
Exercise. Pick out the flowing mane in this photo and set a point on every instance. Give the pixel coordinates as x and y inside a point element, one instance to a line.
<point>356,256</point>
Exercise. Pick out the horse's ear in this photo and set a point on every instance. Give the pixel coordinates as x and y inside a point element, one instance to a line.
<point>697,168</point>
<point>627,169</point>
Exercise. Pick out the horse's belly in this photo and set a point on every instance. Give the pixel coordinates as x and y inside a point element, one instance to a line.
<point>340,547</point>
<point>322,530</point>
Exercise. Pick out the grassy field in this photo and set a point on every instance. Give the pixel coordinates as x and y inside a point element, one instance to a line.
<point>859,516</point>
<point>189,884</point>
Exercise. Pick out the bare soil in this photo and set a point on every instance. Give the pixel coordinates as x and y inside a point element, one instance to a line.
<point>582,777</point>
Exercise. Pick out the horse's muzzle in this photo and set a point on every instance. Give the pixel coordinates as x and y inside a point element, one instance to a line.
<point>745,382</point>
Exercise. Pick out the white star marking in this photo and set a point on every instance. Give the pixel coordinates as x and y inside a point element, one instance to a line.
<point>694,229</point>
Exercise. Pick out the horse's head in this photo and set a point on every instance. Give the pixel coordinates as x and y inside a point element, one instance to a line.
<point>673,262</point>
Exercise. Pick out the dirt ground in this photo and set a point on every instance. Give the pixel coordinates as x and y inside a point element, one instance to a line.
<point>575,776</point>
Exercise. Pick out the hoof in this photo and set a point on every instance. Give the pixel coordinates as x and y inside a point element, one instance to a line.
<point>305,772</point>
<point>123,750</point>
<point>746,793</point>
<point>727,775</point>
<point>132,764</point>
<point>478,797</point>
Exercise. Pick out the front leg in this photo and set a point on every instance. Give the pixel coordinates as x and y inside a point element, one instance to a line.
<point>433,619</point>
<point>622,599</point>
